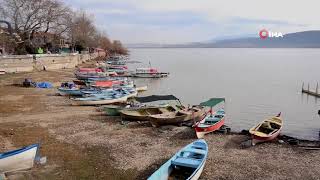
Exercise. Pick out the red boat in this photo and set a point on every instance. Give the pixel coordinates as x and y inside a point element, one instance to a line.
<point>267,130</point>
<point>90,70</point>
<point>211,121</point>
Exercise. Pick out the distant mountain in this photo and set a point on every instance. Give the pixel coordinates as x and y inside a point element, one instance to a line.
<point>305,39</point>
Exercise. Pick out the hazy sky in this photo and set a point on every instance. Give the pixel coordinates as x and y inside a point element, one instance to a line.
<point>178,21</point>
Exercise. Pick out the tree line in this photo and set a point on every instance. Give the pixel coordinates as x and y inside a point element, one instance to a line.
<point>51,24</point>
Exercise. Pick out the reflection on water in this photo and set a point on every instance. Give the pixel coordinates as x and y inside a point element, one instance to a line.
<point>257,83</point>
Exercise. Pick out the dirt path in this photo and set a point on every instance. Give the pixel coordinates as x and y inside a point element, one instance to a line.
<point>82,143</point>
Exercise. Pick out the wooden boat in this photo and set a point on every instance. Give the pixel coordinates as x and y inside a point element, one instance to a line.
<point>20,159</point>
<point>267,130</point>
<point>90,70</point>
<point>188,163</point>
<point>149,73</point>
<point>177,118</point>
<point>98,100</point>
<point>211,121</point>
<point>114,96</point>
<point>2,71</point>
<point>63,91</point>
<point>112,110</point>
<point>143,113</point>
<point>142,88</point>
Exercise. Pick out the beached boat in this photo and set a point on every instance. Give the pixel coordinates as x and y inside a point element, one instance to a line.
<point>20,159</point>
<point>112,110</point>
<point>90,70</point>
<point>143,113</point>
<point>177,118</point>
<point>116,62</point>
<point>106,97</point>
<point>149,73</point>
<point>142,88</point>
<point>2,71</point>
<point>212,121</point>
<point>98,100</point>
<point>267,130</point>
<point>188,163</point>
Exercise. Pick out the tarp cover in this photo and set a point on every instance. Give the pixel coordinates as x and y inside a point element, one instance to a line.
<point>155,98</point>
<point>44,85</point>
<point>212,102</point>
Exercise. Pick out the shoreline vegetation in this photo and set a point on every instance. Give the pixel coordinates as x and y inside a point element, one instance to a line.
<point>50,26</point>
<point>80,142</point>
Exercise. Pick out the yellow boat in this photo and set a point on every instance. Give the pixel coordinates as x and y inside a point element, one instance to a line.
<point>267,130</point>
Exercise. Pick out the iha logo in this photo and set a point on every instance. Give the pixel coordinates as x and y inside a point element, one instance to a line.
<point>264,34</point>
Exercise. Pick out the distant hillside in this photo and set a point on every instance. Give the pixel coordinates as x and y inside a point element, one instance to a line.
<point>305,39</point>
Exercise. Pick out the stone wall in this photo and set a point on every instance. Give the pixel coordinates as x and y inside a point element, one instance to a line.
<point>27,63</point>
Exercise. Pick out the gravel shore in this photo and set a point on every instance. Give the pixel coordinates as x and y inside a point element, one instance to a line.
<point>81,142</point>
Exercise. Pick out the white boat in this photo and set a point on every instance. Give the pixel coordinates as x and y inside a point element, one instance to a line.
<point>2,71</point>
<point>20,159</point>
<point>98,100</point>
<point>142,88</point>
<point>149,73</point>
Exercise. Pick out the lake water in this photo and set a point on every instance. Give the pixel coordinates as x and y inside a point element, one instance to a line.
<point>257,83</point>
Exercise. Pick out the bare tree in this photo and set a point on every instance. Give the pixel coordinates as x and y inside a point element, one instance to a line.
<point>30,16</point>
<point>83,31</point>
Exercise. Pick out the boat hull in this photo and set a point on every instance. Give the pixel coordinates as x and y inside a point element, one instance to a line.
<point>200,132</point>
<point>143,114</point>
<point>267,130</point>
<point>99,102</point>
<point>112,110</point>
<point>69,92</point>
<point>167,119</point>
<point>147,75</point>
<point>177,118</point>
<point>19,160</point>
<point>258,139</point>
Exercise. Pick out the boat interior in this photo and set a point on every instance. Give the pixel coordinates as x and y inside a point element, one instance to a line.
<point>269,127</point>
<point>187,161</point>
<point>213,119</point>
<point>153,111</point>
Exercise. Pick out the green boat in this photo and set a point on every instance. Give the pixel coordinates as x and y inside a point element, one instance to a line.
<point>112,110</point>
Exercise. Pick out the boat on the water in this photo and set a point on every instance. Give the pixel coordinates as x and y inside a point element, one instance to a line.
<point>20,159</point>
<point>212,121</point>
<point>177,118</point>
<point>267,130</point>
<point>149,73</point>
<point>188,163</point>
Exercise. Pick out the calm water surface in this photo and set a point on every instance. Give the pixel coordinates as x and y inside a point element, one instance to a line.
<point>257,83</point>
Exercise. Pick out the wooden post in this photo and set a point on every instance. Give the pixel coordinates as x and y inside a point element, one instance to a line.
<point>302,86</point>
<point>308,87</point>
<point>317,88</point>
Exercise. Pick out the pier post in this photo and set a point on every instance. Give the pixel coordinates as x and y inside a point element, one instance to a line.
<point>317,88</point>
<point>308,87</point>
<point>302,86</point>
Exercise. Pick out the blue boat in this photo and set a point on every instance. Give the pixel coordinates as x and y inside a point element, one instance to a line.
<point>20,159</point>
<point>113,96</point>
<point>188,163</point>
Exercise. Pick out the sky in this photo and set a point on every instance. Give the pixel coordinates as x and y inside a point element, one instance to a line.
<point>184,21</point>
